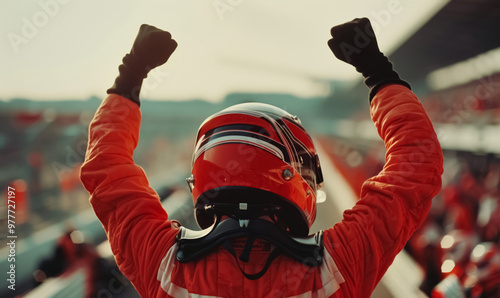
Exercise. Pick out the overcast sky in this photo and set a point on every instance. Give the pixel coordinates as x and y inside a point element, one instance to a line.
<point>71,49</point>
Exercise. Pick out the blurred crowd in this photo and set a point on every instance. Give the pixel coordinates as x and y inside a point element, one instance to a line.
<point>476,102</point>
<point>459,243</point>
<point>460,238</point>
<point>461,234</point>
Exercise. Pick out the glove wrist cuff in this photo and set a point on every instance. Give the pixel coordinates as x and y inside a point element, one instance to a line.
<point>380,73</point>
<point>129,82</point>
<point>374,88</point>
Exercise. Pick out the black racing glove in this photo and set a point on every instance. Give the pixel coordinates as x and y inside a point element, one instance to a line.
<point>355,43</point>
<point>152,47</point>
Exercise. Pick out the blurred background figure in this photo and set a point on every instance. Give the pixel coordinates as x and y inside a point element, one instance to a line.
<point>483,271</point>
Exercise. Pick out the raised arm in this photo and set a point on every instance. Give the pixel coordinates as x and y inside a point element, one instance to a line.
<point>394,203</point>
<point>130,211</point>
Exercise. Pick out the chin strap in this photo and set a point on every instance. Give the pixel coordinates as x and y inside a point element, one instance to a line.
<point>195,244</point>
<point>244,257</point>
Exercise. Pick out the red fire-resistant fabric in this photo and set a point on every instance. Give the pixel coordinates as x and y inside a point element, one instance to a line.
<point>358,250</point>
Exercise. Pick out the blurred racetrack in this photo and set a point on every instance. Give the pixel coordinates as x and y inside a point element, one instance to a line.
<point>453,64</point>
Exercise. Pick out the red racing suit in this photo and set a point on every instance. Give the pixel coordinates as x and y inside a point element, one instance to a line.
<point>358,250</point>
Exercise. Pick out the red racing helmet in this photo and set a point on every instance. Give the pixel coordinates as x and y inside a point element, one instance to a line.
<point>251,158</point>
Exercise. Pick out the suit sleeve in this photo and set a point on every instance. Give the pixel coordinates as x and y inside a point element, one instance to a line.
<point>394,203</point>
<point>136,224</point>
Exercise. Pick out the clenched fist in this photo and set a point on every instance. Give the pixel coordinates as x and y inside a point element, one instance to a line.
<point>152,47</point>
<point>355,43</point>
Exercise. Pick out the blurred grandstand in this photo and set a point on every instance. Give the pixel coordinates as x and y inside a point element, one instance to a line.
<point>453,64</point>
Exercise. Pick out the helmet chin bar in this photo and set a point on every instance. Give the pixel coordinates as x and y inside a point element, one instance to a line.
<point>243,211</point>
<point>240,202</point>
